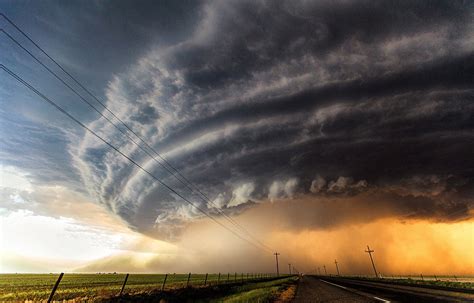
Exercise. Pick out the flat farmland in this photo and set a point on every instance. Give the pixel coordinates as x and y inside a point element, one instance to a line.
<point>20,287</point>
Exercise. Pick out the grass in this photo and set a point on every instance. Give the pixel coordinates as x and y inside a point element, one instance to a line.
<point>260,292</point>
<point>255,295</point>
<point>21,287</point>
<point>271,290</point>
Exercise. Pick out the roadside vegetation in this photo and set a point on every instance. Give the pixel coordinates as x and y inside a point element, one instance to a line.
<point>282,290</point>
<point>279,290</point>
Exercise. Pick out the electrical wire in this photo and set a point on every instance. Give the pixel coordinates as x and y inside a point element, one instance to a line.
<point>170,169</point>
<point>66,113</point>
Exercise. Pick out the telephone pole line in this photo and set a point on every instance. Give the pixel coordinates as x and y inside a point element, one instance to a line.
<point>325,272</point>
<point>372,260</point>
<point>276,257</point>
<point>289,267</point>
<point>337,268</point>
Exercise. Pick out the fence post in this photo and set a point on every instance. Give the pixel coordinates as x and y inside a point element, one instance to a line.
<point>55,287</point>
<point>164,282</point>
<point>205,280</point>
<point>187,282</point>
<point>218,278</point>
<point>123,286</point>
<point>228,277</point>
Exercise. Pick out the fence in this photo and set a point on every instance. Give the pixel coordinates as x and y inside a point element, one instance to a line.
<point>139,282</point>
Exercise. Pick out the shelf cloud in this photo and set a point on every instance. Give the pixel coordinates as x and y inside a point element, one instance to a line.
<point>323,104</point>
<point>266,100</point>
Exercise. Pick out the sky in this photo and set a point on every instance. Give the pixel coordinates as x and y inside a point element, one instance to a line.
<point>320,127</point>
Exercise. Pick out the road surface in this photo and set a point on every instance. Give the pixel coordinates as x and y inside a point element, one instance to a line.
<point>325,289</point>
<point>312,289</point>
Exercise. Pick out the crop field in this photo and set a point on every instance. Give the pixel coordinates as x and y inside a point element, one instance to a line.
<point>20,287</point>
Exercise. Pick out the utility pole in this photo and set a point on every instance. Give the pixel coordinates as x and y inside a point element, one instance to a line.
<point>372,260</point>
<point>276,257</point>
<point>325,272</point>
<point>289,267</point>
<point>337,268</point>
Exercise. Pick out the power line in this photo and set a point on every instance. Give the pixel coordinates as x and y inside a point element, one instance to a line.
<point>186,183</point>
<point>277,268</point>
<point>54,104</point>
<point>369,251</point>
<point>88,92</point>
<point>93,107</point>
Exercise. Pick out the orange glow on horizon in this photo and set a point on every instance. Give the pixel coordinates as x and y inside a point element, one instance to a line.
<point>400,248</point>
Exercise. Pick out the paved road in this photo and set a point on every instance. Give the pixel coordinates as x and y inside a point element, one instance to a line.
<point>325,289</point>
<point>311,289</point>
<point>402,293</point>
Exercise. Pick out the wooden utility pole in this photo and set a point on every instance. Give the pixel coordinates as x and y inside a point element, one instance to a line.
<point>276,257</point>
<point>289,267</point>
<point>337,268</point>
<point>372,260</point>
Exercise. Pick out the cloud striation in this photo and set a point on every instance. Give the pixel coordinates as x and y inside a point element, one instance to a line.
<point>272,100</point>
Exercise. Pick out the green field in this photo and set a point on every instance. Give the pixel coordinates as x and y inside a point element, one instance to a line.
<point>20,287</point>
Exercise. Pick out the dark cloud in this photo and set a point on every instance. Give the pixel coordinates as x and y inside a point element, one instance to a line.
<point>258,100</point>
<point>265,96</point>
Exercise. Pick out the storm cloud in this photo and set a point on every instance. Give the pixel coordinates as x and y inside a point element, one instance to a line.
<point>265,96</point>
<point>263,101</point>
